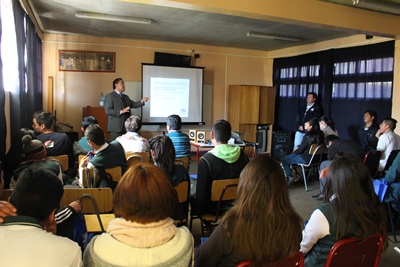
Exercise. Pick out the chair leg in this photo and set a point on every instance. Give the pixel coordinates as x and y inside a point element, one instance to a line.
<point>391,222</point>
<point>304,178</point>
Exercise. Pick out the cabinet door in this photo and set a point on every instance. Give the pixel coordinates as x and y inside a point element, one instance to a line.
<point>249,104</point>
<point>267,105</point>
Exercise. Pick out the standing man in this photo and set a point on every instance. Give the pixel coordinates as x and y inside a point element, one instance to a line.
<point>312,110</point>
<point>367,132</point>
<point>118,108</point>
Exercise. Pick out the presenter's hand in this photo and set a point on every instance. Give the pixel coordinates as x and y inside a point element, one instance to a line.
<point>145,99</point>
<point>125,110</point>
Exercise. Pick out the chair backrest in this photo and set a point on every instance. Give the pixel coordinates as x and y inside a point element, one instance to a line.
<point>182,161</point>
<point>222,190</point>
<point>103,197</point>
<point>293,260</point>
<point>89,180</point>
<point>62,159</point>
<point>391,158</point>
<point>314,151</point>
<point>356,252</point>
<point>372,159</point>
<point>144,155</point>
<point>183,191</point>
<point>6,194</point>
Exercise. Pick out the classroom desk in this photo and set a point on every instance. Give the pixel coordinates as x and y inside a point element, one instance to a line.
<point>202,146</point>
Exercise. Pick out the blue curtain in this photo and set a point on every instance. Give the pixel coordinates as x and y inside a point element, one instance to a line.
<point>3,129</point>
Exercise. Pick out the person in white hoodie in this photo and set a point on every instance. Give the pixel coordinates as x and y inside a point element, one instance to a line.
<point>388,140</point>
<point>142,234</point>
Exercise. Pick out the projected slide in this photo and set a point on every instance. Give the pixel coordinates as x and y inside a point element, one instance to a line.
<point>169,96</point>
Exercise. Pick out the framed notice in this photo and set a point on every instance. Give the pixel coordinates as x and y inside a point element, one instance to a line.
<point>70,60</point>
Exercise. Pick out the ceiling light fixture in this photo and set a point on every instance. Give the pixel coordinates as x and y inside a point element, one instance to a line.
<point>90,15</point>
<point>273,36</point>
<point>382,6</point>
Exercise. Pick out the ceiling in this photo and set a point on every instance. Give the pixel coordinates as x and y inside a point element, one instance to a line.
<point>173,24</point>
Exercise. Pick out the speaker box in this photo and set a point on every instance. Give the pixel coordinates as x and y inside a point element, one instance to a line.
<point>201,137</point>
<point>193,135</point>
<point>281,144</point>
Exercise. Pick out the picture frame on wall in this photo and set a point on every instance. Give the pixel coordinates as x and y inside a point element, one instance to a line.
<point>95,61</point>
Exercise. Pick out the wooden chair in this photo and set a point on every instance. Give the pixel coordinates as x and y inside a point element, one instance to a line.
<point>372,159</point>
<point>356,252</point>
<point>293,260</point>
<point>316,152</point>
<point>97,206</point>
<point>221,190</point>
<point>90,177</point>
<point>133,159</point>
<point>182,161</point>
<point>62,159</point>
<point>183,194</point>
<point>6,194</point>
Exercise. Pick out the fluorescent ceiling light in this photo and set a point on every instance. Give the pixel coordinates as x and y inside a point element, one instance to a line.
<point>273,36</point>
<point>90,15</point>
<point>382,6</point>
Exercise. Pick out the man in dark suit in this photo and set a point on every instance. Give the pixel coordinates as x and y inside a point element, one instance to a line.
<point>312,110</point>
<point>118,108</point>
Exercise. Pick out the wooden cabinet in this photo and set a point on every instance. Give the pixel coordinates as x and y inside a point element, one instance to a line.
<point>100,114</point>
<point>249,106</point>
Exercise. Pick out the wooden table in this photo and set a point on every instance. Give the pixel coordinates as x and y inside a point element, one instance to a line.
<point>203,146</point>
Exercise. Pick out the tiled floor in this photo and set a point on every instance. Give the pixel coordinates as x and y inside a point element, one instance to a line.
<point>304,205</point>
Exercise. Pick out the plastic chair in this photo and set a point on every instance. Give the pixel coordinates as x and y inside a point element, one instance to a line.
<point>356,252</point>
<point>372,159</point>
<point>316,152</point>
<point>293,260</point>
<point>183,161</point>
<point>221,190</point>
<point>90,177</point>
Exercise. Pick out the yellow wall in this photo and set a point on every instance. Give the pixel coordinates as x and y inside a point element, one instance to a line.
<point>74,90</point>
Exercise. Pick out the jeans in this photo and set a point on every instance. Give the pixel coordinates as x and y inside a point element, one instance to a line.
<point>298,137</point>
<point>291,159</point>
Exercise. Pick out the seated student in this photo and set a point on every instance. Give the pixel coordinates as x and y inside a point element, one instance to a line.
<point>351,209</point>
<point>392,177</point>
<point>142,234</point>
<point>15,155</point>
<point>163,153</point>
<point>56,143</point>
<point>28,239</point>
<point>301,154</point>
<point>132,141</point>
<point>82,147</point>
<point>274,230</point>
<point>327,126</point>
<point>367,132</point>
<point>35,152</point>
<point>335,145</point>
<point>222,162</point>
<point>388,140</point>
<point>180,140</point>
<point>104,156</point>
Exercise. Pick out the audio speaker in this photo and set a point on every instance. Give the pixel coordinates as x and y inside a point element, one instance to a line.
<point>281,144</point>
<point>193,135</point>
<point>201,137</point>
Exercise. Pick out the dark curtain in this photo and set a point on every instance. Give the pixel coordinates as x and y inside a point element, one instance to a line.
<point>3,129</point>
<point>301,82</point>
<point>346,111</point>
<point>29,96</point>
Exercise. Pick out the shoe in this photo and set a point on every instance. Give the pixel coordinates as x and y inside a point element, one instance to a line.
<point>292,180</point>
<point>318,197</point>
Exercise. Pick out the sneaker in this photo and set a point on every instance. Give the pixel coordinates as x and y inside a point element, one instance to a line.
<point>292,180</point>
<point>318,197</point>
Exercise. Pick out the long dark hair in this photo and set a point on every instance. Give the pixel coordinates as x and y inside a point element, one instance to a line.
<point>164,153</point>
<point>350,191</point>
<point>329,121</point>
<point>314,135</point>
<point>263,224</point>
